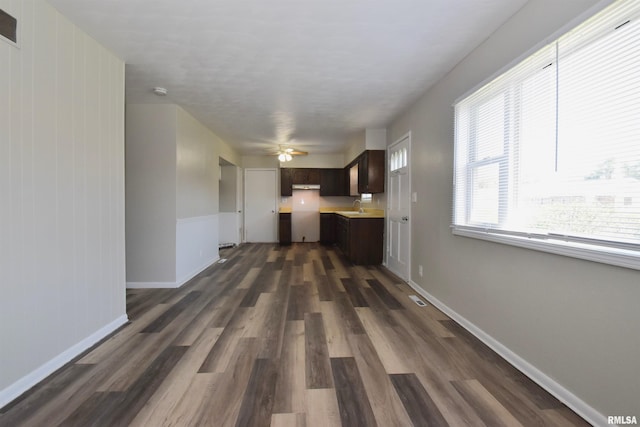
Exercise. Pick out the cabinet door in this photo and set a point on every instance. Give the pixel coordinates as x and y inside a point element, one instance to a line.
<point>285,182</point>
<point>375,171</point>
<point>306,176</point>
<point>327,229</point>
<point>354,179</point>
<point>284,228</point>
<point>332,182</point>
<point>366,241</point>
<point>342,234</point>
<point>313,176</point>
<point>363,173</point>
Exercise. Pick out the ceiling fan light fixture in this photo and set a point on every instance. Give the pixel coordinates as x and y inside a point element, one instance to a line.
<point>282,157</point>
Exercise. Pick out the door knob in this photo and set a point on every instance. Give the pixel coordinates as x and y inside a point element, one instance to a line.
<point>405,218</point>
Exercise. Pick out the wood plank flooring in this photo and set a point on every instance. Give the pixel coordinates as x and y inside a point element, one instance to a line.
<point>291,336</point>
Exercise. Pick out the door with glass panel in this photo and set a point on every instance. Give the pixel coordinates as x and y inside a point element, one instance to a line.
<point>399,207</point>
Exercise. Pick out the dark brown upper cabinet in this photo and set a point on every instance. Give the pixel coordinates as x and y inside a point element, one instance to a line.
<point>305,176</point>
<point>332,182</point>
<point>285,182</point>
<point>366,172</point>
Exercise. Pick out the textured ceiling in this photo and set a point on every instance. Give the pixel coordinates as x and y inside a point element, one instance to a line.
<point>301,72</point>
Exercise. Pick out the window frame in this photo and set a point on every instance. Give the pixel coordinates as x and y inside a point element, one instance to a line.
<point>591,249</point>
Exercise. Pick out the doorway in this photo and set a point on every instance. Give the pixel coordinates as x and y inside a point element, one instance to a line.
<point>399,207</point>
<point>260,205</point>
<point>230,204</point>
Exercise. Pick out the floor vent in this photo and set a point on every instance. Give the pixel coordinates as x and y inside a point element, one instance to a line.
<point>222,260</point>
<point>417,300</point>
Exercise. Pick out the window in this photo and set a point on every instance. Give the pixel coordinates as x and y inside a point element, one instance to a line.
<point>547,155</point>
<point>398,160</point>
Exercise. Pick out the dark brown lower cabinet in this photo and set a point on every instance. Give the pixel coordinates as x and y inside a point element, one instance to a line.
<point>327,228</point>
<point>284,228</point>
<point>360,239</point>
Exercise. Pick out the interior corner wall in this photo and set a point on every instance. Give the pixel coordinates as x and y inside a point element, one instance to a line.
<point>228,185</point>
<point>151,193</point>
<point>62,251</point>
<point>573,321</point>
<point>197,200</point>
<point>356,144</point>
<point>376,139</point>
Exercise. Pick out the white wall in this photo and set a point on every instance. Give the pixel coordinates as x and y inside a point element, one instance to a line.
<point>228,186</point>
<point>197,166</point>
<point>315,161</point>
<point>575,321</point>
<point>172,195</point>
<point>259,162</point>
<point>375,139</point>
<point>198,172</point>
<point>62,195</point>
<point>229,219</point>
<point>151,188</point>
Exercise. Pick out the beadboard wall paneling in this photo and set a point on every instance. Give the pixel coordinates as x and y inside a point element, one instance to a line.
<point>62,194</point>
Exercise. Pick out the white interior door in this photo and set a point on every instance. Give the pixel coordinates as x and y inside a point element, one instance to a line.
<point>260,199</point>
<point>240,203</point>
<point>399,207</point>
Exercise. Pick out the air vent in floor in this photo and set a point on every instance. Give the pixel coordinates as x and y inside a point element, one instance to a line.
<point>417,300</point>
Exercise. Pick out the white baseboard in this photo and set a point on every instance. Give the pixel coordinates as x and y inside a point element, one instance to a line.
<point>152,285</point>
<point>172,285</point>
<point>565,396</point>
<point>28,381</point>
<point>197,271</point>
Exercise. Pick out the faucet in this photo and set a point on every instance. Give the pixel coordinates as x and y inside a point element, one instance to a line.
<point>359,205</point>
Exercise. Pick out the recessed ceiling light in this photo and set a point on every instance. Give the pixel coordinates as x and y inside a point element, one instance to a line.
<point>160,91</point>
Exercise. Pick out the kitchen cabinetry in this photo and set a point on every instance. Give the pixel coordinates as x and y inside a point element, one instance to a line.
<point>306,176</point>
<point>366,173</point>
<point>327,228</point>
<point>332,182</point>
<point>285,182</point>
<point>284,228</point>
<point>360,239</point>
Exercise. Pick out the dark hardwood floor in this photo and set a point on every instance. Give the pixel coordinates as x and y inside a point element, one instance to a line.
<point>292,336</point>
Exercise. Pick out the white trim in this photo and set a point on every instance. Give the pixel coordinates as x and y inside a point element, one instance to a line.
<point>19,387</point>
<point>196,271</point>
<point>551,38</point>
<point>606,255</point>
<point>407,136</point>
<point>579,406</point>
<point>172,285</point>
<point>152,285</point>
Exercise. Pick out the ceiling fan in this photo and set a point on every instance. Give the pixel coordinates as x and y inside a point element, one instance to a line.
<point>286,154</point>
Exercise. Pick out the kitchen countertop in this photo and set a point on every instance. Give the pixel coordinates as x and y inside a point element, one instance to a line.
<point>350,212</point>
<point>345,211</point>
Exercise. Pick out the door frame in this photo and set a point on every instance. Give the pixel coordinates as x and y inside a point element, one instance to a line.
<point>407,136</point>
<point>275,201</point>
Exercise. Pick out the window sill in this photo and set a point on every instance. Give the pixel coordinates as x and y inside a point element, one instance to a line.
<point>619,257</point>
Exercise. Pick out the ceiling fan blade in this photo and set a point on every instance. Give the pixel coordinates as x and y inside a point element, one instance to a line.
<point>298,153</point>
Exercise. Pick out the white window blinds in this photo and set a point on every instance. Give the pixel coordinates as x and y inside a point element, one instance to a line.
<point>551,148</point>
